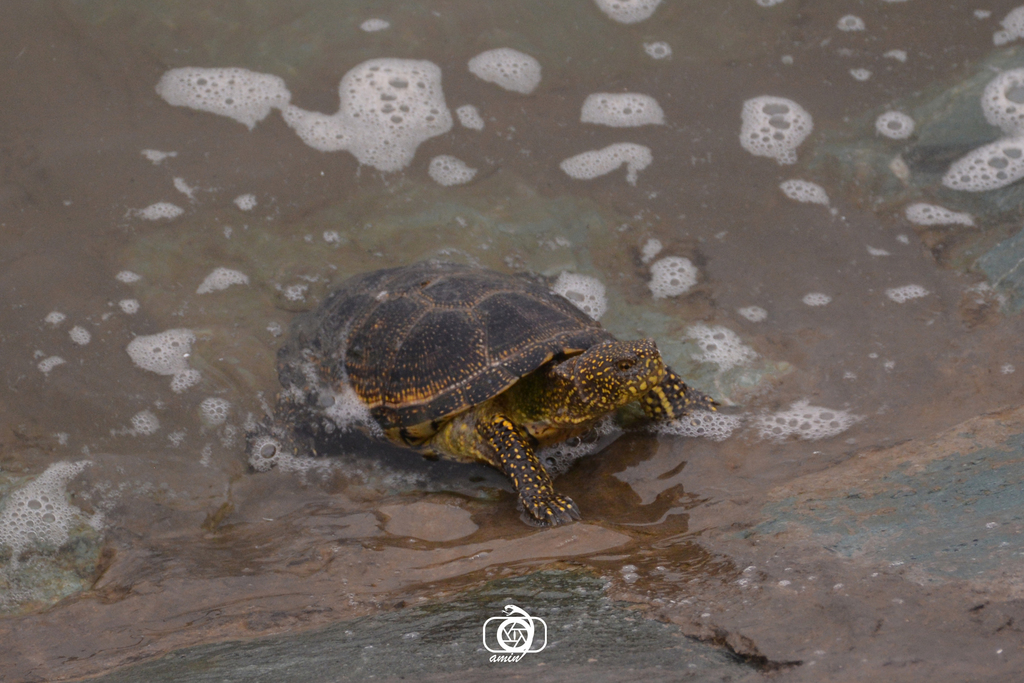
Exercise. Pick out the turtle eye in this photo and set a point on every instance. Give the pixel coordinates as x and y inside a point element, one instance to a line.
<point>626,364</point>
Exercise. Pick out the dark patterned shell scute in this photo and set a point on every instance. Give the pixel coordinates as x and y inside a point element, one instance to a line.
<point>427,341</point>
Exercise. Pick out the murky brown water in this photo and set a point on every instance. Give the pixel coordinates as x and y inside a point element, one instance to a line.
<point>198,547</point>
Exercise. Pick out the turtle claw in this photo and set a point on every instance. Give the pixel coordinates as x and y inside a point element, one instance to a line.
<point>548,511</point>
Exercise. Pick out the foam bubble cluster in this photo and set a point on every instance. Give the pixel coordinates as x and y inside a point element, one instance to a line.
<point>129,306</point>
<point>214,411</point>
<point>127,277</point>
<point>906,293</point>
<point>931,214</point>
<point>999,163</point>
<point>38,514</point>
<point>817,299</point>
<point>50,363</point>
<point>55,318</point>
<point>754,314</point>
<point>1003,101</point>
<point>804,191</point>
<point>448,170</point>
<point>599,162</point>
<point>388,108</point>
<point>651,248</point>
<point>240,94</point>
<point>672,276</point>
<point>470,117</point>
<point>721,346</point>
<point>895,125</point>
<point>989,167</point>
<point>1013,27</point>
<point>156,156</point>
<point>622,110</point>
<point>658,50</point>
<point>159,211</point>
<point>166,353</point>
<point>511,69</point>
<point>701,423</point>
<point>347,411</point>
<point>860,74</point>
<point>850,23</point>
<point>373,25</point>
<point>80,335</point>
<point>804,421</point>
<point>774,127</point>
<point>628,11</point>
<point>222,278</point>
<point>586,293</point>
<point>246,202</point>
<point>144,423</point>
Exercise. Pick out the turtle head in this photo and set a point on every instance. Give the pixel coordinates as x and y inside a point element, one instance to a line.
<point>608,376</point>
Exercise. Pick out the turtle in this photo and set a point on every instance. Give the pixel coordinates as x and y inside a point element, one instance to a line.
<point>474,365</point>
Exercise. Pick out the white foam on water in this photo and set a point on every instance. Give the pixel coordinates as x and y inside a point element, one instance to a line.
<point>388,108</point>
<point>240,94</point>
<point>80,335</point>
<point>158,211</point>
<point>559,458</point>
<point>348,411</point>
<point>511,69</point>
<point>144,423</point>
<point>672,276</point>
<point>129,306</point>
<point>804,421</point>
<point>754,314</point>
<point>448,170</point>
<point>166,353</point>
<point>1013,27</point>
<point>628,11</point>
<point>1003,101</point>
<point>183,187</point>
<point>895,125</point>
<point>659,50</point>
<point>906,293</point>
<point>374,25</point>
<point>214,411</point>
<point>222,278</point>
<point>804,191</point>
<point>584,292</point>
<point>721,346</point>
<point>850,23</point>
<point>817,299</point>
<point>599,162</point>
<point>49,363</point>
<point>127,277</point>
<point>469,117</point>
<point>245,202</point>
<point>156,156</point>
<point>769,3</point>
<point>932,214</point>
<point>651,248</point>
<point>774,127</point>
<point>39,516</point>
<point>988,167</point>
<point>898,55</point>
<point>622,110</point>
<point>877,252</point>
<point>55,318</point>
<point>701,423</point>
<point>860,74</point>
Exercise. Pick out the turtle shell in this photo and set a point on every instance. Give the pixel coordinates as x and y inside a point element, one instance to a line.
<point>422,343</point>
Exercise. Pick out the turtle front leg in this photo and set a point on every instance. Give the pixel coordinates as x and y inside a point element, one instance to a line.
<point>671,399</point>
<point>514,456</point>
